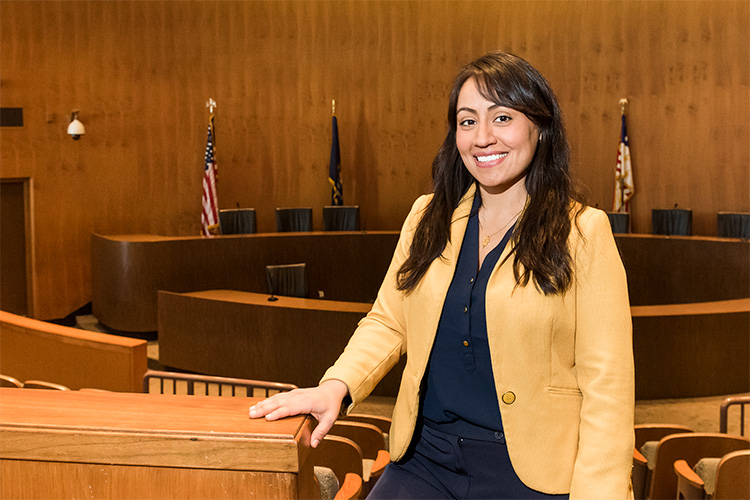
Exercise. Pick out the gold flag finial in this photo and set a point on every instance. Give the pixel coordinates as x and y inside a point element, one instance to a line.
<point>333,107</point>
<point>623,103</point>
<point>211,104</point>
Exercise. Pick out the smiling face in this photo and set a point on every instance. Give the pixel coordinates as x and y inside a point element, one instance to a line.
<point>496,143</point>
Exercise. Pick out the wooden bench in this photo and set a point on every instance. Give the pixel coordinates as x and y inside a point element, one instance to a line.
<point>32,349</point>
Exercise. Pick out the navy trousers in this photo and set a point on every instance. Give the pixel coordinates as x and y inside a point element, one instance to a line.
<point>442,465</point>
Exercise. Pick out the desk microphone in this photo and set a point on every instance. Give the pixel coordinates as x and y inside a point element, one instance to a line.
<point>270,287</point>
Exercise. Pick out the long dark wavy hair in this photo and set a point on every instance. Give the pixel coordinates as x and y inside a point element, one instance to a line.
<point>540,239</point>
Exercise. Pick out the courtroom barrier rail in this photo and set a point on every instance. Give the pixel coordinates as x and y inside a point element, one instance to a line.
<point>32,349</point>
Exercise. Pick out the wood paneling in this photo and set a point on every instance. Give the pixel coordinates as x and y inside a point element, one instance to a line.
<point>140,72</point>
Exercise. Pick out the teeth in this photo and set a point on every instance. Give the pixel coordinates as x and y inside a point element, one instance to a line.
<point>491,157</point>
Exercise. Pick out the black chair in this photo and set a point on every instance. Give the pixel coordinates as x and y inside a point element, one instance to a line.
<point>289,280</point>
<point>238,221</point>
<point>733,225</point>
<point>293,220</point>
<point>341,218</point>
<point>619,221</point>
<point>675,221</point>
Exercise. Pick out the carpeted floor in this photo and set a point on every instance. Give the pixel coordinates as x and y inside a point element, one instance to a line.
<point>700,414</point>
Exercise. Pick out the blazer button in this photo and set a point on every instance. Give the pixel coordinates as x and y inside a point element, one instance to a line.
<point>509,398</point>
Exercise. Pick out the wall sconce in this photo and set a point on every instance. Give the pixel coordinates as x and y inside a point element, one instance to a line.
<point>75,127</point>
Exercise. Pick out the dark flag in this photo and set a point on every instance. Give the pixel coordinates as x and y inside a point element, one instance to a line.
<point>334,170</point>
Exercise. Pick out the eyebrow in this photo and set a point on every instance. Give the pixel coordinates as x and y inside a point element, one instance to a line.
<point>470,110</point>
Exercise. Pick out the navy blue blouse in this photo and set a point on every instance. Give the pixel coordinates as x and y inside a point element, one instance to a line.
<point>459,393</point>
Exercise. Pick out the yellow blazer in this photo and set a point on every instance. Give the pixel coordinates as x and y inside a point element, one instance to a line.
<point>562,364</point>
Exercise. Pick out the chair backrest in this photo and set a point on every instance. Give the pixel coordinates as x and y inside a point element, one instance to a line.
<point>740,401</point>
<point>340,454</point>
<point>620,221</point>
<point>733,476</point>
<point>42,384</point>
<point>655,432</point>
<point>690,447</point>
<point>341,218</point>
<point>161,382</point>
<point>8,381</point>
<point>289,280</point>
<point>368,437</point>
<point>238,221</point>
<point>675,221</point>
<point>294,220</point>
<point>733,225</point>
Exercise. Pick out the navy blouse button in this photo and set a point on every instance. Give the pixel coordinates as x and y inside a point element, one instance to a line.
<point>466,309</point>
<point>466,343</point>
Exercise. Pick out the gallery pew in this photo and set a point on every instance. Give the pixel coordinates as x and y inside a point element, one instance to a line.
<point>31,349</point>
<point>113,445</point>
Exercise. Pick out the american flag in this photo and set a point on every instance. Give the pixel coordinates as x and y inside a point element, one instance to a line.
<point>624,189</point>
<point>210,214</point>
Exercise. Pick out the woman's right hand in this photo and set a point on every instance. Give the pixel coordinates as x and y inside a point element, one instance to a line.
<point>322,402</point>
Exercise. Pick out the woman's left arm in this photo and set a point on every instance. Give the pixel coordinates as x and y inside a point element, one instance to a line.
<point>604,364</point>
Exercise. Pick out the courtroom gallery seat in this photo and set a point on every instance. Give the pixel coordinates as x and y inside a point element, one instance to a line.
<point>344,457</point>
<point>341,218</point>
<point>690,447</point>
<point>288,280</point>
<point>238,221</point>
<point>8,381</point>
<point>647,437</point>
<point>718,478</point>
<point>161,382</point>
<point>371,441</point>
<point>294,220</point>
<point>42,384</point>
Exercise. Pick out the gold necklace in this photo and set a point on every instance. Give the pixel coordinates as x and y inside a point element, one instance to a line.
<point>486,240</point>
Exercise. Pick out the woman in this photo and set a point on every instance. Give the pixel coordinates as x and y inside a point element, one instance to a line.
<point>510,301</point>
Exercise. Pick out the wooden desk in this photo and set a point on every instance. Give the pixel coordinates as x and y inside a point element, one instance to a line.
<point>692,350</point>
<point>684,269</point>
<point>128,271</point>
<point>243,335</point>
<point>56,444</point>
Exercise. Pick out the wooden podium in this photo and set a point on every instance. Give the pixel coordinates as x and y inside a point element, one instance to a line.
<point>108,445</point>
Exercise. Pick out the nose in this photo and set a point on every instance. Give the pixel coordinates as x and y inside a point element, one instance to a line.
<point>484,136</point>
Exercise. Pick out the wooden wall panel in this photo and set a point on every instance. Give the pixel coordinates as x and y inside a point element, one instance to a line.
<point>140,72</point>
